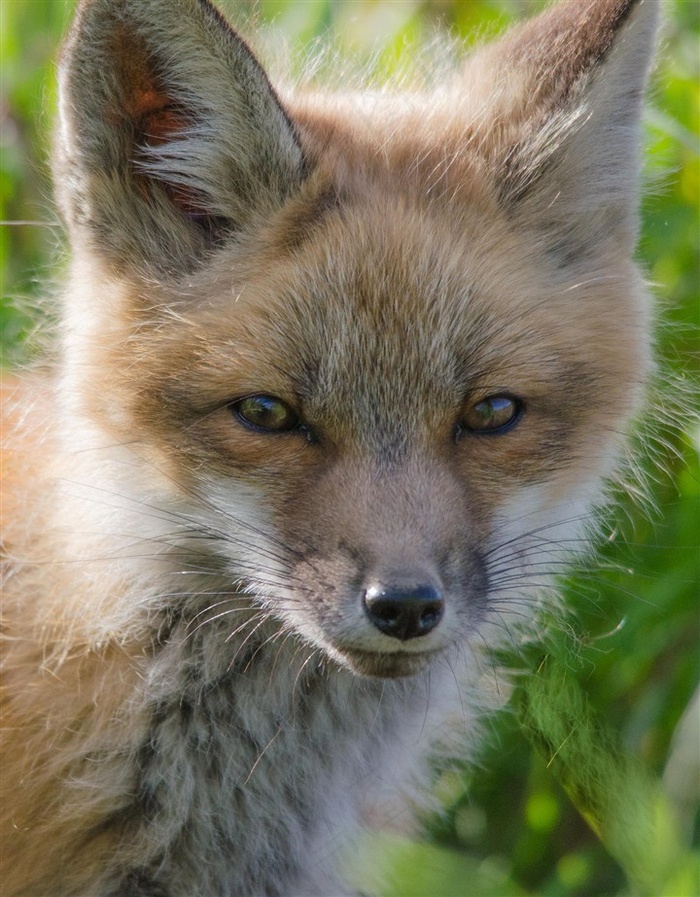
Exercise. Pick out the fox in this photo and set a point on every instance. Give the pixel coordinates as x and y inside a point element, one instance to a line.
<point>341,378</point>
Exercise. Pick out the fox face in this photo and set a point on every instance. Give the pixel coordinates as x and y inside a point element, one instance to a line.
<point>383,351</point>
<point>370,399</point>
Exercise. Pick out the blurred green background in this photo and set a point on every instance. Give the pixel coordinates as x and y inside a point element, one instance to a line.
<point>630,643</point>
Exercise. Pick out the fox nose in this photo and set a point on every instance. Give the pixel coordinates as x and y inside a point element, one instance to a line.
<point>404,612</point>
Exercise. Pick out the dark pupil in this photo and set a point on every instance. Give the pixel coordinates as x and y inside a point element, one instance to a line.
<point>266,412</point>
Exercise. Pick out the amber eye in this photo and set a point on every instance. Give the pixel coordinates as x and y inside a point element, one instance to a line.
<point>266,413</point>
<point>494,414</point>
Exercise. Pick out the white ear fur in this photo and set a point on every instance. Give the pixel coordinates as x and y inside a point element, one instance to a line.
<point>170,132</point>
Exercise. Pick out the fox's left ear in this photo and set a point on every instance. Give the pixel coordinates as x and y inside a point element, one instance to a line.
<point>565,144</point>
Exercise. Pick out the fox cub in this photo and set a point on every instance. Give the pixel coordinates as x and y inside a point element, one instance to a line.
<point>339,378</point>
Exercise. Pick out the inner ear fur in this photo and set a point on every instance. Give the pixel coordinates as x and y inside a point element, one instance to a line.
<point>170,132</point>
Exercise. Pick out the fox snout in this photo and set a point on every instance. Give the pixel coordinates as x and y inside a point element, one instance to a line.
<point>383,587</point>
<point>394,623</point>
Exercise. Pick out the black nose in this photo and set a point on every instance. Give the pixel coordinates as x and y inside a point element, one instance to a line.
<point>404,612</point>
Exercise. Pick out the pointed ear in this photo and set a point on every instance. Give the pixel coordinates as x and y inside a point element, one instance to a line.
<point>170,133</point>
<point>565,149</point>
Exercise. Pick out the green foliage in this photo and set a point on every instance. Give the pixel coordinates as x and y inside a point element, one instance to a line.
<point>516,825</point>
<point>611,789</point>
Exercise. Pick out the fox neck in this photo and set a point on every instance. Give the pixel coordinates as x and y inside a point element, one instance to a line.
<point>282,770</point>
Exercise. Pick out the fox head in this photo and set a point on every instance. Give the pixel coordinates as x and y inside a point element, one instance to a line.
<point>382,349</point>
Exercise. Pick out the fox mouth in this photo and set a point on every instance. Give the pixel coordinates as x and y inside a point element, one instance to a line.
<point>378,665</point>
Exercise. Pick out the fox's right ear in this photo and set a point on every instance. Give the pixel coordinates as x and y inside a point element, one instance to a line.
<point>170,133</point>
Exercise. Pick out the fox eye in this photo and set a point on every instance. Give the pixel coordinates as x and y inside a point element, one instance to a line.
<point>494,414</point>
<point>266,413</point>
